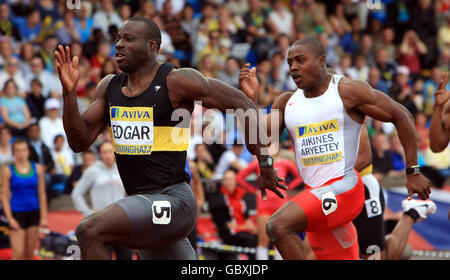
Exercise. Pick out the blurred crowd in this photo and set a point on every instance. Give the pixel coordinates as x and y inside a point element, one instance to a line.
<point>399,47</point>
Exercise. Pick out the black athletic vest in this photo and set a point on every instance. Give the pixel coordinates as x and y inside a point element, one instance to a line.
<point>150,148</point>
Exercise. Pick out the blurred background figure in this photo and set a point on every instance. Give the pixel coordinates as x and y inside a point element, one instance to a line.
<point>24,201</point>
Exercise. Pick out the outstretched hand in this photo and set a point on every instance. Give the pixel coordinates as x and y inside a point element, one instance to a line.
<point>67,69</point>
<point>442,95</point>
<point>268,179</point>
<point>248,82</point>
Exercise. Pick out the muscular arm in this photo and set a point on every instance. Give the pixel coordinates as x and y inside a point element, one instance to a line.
<point>360,99</point>
<point>189,85</point>
<point>440,128</point>
<point>82,130</point>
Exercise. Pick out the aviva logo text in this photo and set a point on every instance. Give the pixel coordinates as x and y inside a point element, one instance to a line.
<point>131,113</point>
<point>317,128</point>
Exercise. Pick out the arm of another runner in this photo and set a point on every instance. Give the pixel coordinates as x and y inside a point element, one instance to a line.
<point>364,157</point>
<point>189,85</point>
<point>81,131</point>
<point>249,85</point>
<point>360,97</point>
<point>439,131</point>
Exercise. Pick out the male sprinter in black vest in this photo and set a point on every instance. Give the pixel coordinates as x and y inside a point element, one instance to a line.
<point>137,106</point>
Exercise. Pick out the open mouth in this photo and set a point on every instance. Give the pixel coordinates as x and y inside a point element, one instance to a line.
<point>120,57</point>
<point>297,78</point>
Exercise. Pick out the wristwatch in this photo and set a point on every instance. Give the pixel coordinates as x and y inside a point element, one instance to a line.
<point>415,169</point>
<point>266,162</point>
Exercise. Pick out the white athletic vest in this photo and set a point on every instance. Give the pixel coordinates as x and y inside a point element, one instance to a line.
<point>325,138</point>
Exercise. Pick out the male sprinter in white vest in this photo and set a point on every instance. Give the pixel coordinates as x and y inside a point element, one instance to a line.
<point>137,106</point>
<point>324,118</point>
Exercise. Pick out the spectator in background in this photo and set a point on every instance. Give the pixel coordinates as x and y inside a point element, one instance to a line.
<point>256,21</point>
<point>26,55</point>
<point>88,158</point>
<point>429,88</point>
<point>64,163</point>
<point>375,80</point>
<point>35,101</point>
<point>230,74</point>
<point>51,123</point>
<point>345,69</point>
<point>387,67</point>
<point>422,130</point>
<point>14,109</point>
<point>232,210</point>
<point>231,160</point>
<point>99,58</point>
<point>6,156</point>
<point>418,90</point>
<point>401,91</point>
<point>6,50</point>
<point>212,48</point>
<point>49,88</point>
<point>30,28</point>
<point>124,12</point>
<point>177,6</point>
<point>7,27</point>
<point>48,8</point>
<point>387,42</point>
<point>281,19</point>
<point>39,152</point>
<point>331,51</point>
<point>208,66</point>
<point>443,39</point>
<point>189,23</point>
<point>102,181</point>
<point>146,9</point>
<point>339,22</point>
<point>172,24</point>
<point>84,22</point>
<point>381,160</point>
<point>410,51</point>
<point>230,26</point>
<point>12,71</point>
<point>24,201</point>
<point>424,24</point>
<point>69,31</point>
<point>397,155</point>
<point>204,161</point>
<point>238,7</point>
<point>360,68</point>
<point>106,16</point>
<point>87,98</point>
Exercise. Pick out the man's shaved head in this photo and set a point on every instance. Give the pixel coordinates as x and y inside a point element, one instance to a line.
<point>312,44</point>
<point>152,29</point>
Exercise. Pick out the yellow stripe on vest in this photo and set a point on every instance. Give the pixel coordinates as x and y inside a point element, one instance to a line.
<point>366,171</point>
<point>173,139</point>
<point>170,139</point>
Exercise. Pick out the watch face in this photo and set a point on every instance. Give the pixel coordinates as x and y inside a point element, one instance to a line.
<point>270,161</point>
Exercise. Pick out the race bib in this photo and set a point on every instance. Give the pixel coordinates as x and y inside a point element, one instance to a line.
<point>318,143</point>
<point>132,130</point>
